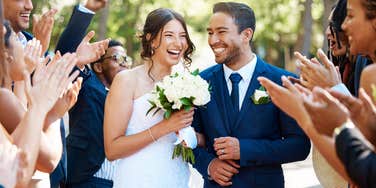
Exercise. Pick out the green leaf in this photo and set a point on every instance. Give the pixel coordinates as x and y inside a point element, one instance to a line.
<point>153,105</point>
<point>186,101</point>
<point>156,111</point>
<point>262,88</point>
<point>167,114</point>
<point>150,109</point>
<point>187,108</point>
<point>196,72</point>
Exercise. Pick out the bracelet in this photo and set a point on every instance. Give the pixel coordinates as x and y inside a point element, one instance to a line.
<point>151,135</point>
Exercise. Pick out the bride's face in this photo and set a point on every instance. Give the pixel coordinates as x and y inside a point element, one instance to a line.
<point>170,44</point>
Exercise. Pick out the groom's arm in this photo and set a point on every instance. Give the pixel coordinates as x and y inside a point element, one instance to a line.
<point>293,145</point>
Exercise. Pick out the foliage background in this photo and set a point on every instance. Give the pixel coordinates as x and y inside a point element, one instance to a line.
<point>282,26</point>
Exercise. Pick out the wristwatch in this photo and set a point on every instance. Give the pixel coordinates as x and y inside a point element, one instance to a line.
<point>347,125</point>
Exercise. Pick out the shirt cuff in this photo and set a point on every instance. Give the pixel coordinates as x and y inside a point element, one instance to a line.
<point>83,9</point>
<point>342,89</point>
<point>347,125</point>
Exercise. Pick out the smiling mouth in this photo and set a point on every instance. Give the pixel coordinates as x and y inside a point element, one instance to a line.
<point>174,52</point>
<point>25,15</point>
<point>218,51</point>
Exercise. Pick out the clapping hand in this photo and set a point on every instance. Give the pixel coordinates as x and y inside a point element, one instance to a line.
<point>66,102</point>
<point>32,53</point>
<point>326,111</point>
<point>90,52</point>
<point>362,112</point>
<point>12,162</point>
<point>313,73</point>
<point>288,98</point>
<point>95,5</point>
<point>53,81</point>
<point>42,28</point>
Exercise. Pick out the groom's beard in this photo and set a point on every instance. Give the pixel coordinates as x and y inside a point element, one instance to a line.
<point>233,55</point>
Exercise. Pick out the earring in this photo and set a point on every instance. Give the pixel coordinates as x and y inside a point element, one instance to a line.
<point>152,51</point>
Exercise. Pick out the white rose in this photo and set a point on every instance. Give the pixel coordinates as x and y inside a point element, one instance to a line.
<point>259,93</point>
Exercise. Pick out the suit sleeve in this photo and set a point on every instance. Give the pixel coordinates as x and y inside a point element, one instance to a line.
<point>293,145</point>
<point>202,156</point>
<point>75,31</point>
<point>358,158</point>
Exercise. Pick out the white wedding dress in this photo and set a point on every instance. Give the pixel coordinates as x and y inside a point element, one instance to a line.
<point>152,166</point>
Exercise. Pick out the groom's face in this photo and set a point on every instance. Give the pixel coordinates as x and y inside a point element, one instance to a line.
<point>224,38</point>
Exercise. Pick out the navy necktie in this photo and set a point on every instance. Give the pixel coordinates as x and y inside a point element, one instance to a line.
<point>235,79</point>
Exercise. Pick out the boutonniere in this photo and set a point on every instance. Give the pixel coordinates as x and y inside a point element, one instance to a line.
<point>260,96</point>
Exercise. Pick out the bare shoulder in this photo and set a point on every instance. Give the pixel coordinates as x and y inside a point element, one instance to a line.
<point>126,82</point>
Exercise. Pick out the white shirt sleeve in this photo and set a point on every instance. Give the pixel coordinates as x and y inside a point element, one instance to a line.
<point>341,88</point>
<point>84,9</point>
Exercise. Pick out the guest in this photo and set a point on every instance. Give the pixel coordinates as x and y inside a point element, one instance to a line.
<point>43,96</point>
<point>87,165</point>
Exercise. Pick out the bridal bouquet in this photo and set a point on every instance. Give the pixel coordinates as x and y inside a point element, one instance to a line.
<point>176,92</point>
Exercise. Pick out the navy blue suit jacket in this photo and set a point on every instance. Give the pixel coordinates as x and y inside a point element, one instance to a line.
<point>85,145</point>
<point>68,42</point>
<point>267,136</point>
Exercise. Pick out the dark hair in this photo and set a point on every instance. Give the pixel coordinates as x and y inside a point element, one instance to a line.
<point>7,34</point>
<point>114,43</point>
<point>339,15</point>
<point>154,23</point>
<point>369,8</point>
<point>242,14</point>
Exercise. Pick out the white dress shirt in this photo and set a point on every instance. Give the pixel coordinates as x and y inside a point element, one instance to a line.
<point>246,72</point>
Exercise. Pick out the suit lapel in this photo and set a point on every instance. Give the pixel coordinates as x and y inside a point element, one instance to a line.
<point>221,96</point>
<point>253,85</point>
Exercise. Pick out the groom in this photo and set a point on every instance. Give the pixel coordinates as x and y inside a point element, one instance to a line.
<point>246,142</point>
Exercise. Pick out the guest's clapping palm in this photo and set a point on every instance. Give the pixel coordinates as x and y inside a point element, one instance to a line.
<point>288,98</point>
<point>12,161</point>
<point>90,52</point>
<point>32,55</point>
<point>326,111</point>
<point>313,73</point>
<point>42,28</point>
<point>45,92</point>
<point>362,112</point>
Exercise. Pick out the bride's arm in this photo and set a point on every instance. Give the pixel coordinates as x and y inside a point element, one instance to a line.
<point>118,111</point>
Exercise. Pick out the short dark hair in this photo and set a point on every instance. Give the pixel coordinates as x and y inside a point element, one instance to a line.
<point>114,43</point>
<point>242,14</point>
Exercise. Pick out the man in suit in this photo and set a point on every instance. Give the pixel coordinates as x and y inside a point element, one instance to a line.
<point>246,142</point>
<point>87,166</point>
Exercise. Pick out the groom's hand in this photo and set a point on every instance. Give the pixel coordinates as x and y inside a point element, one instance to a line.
<point>222,171</point>
<point>227,148</point>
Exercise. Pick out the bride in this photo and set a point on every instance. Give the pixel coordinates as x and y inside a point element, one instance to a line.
<point>144,144</point>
